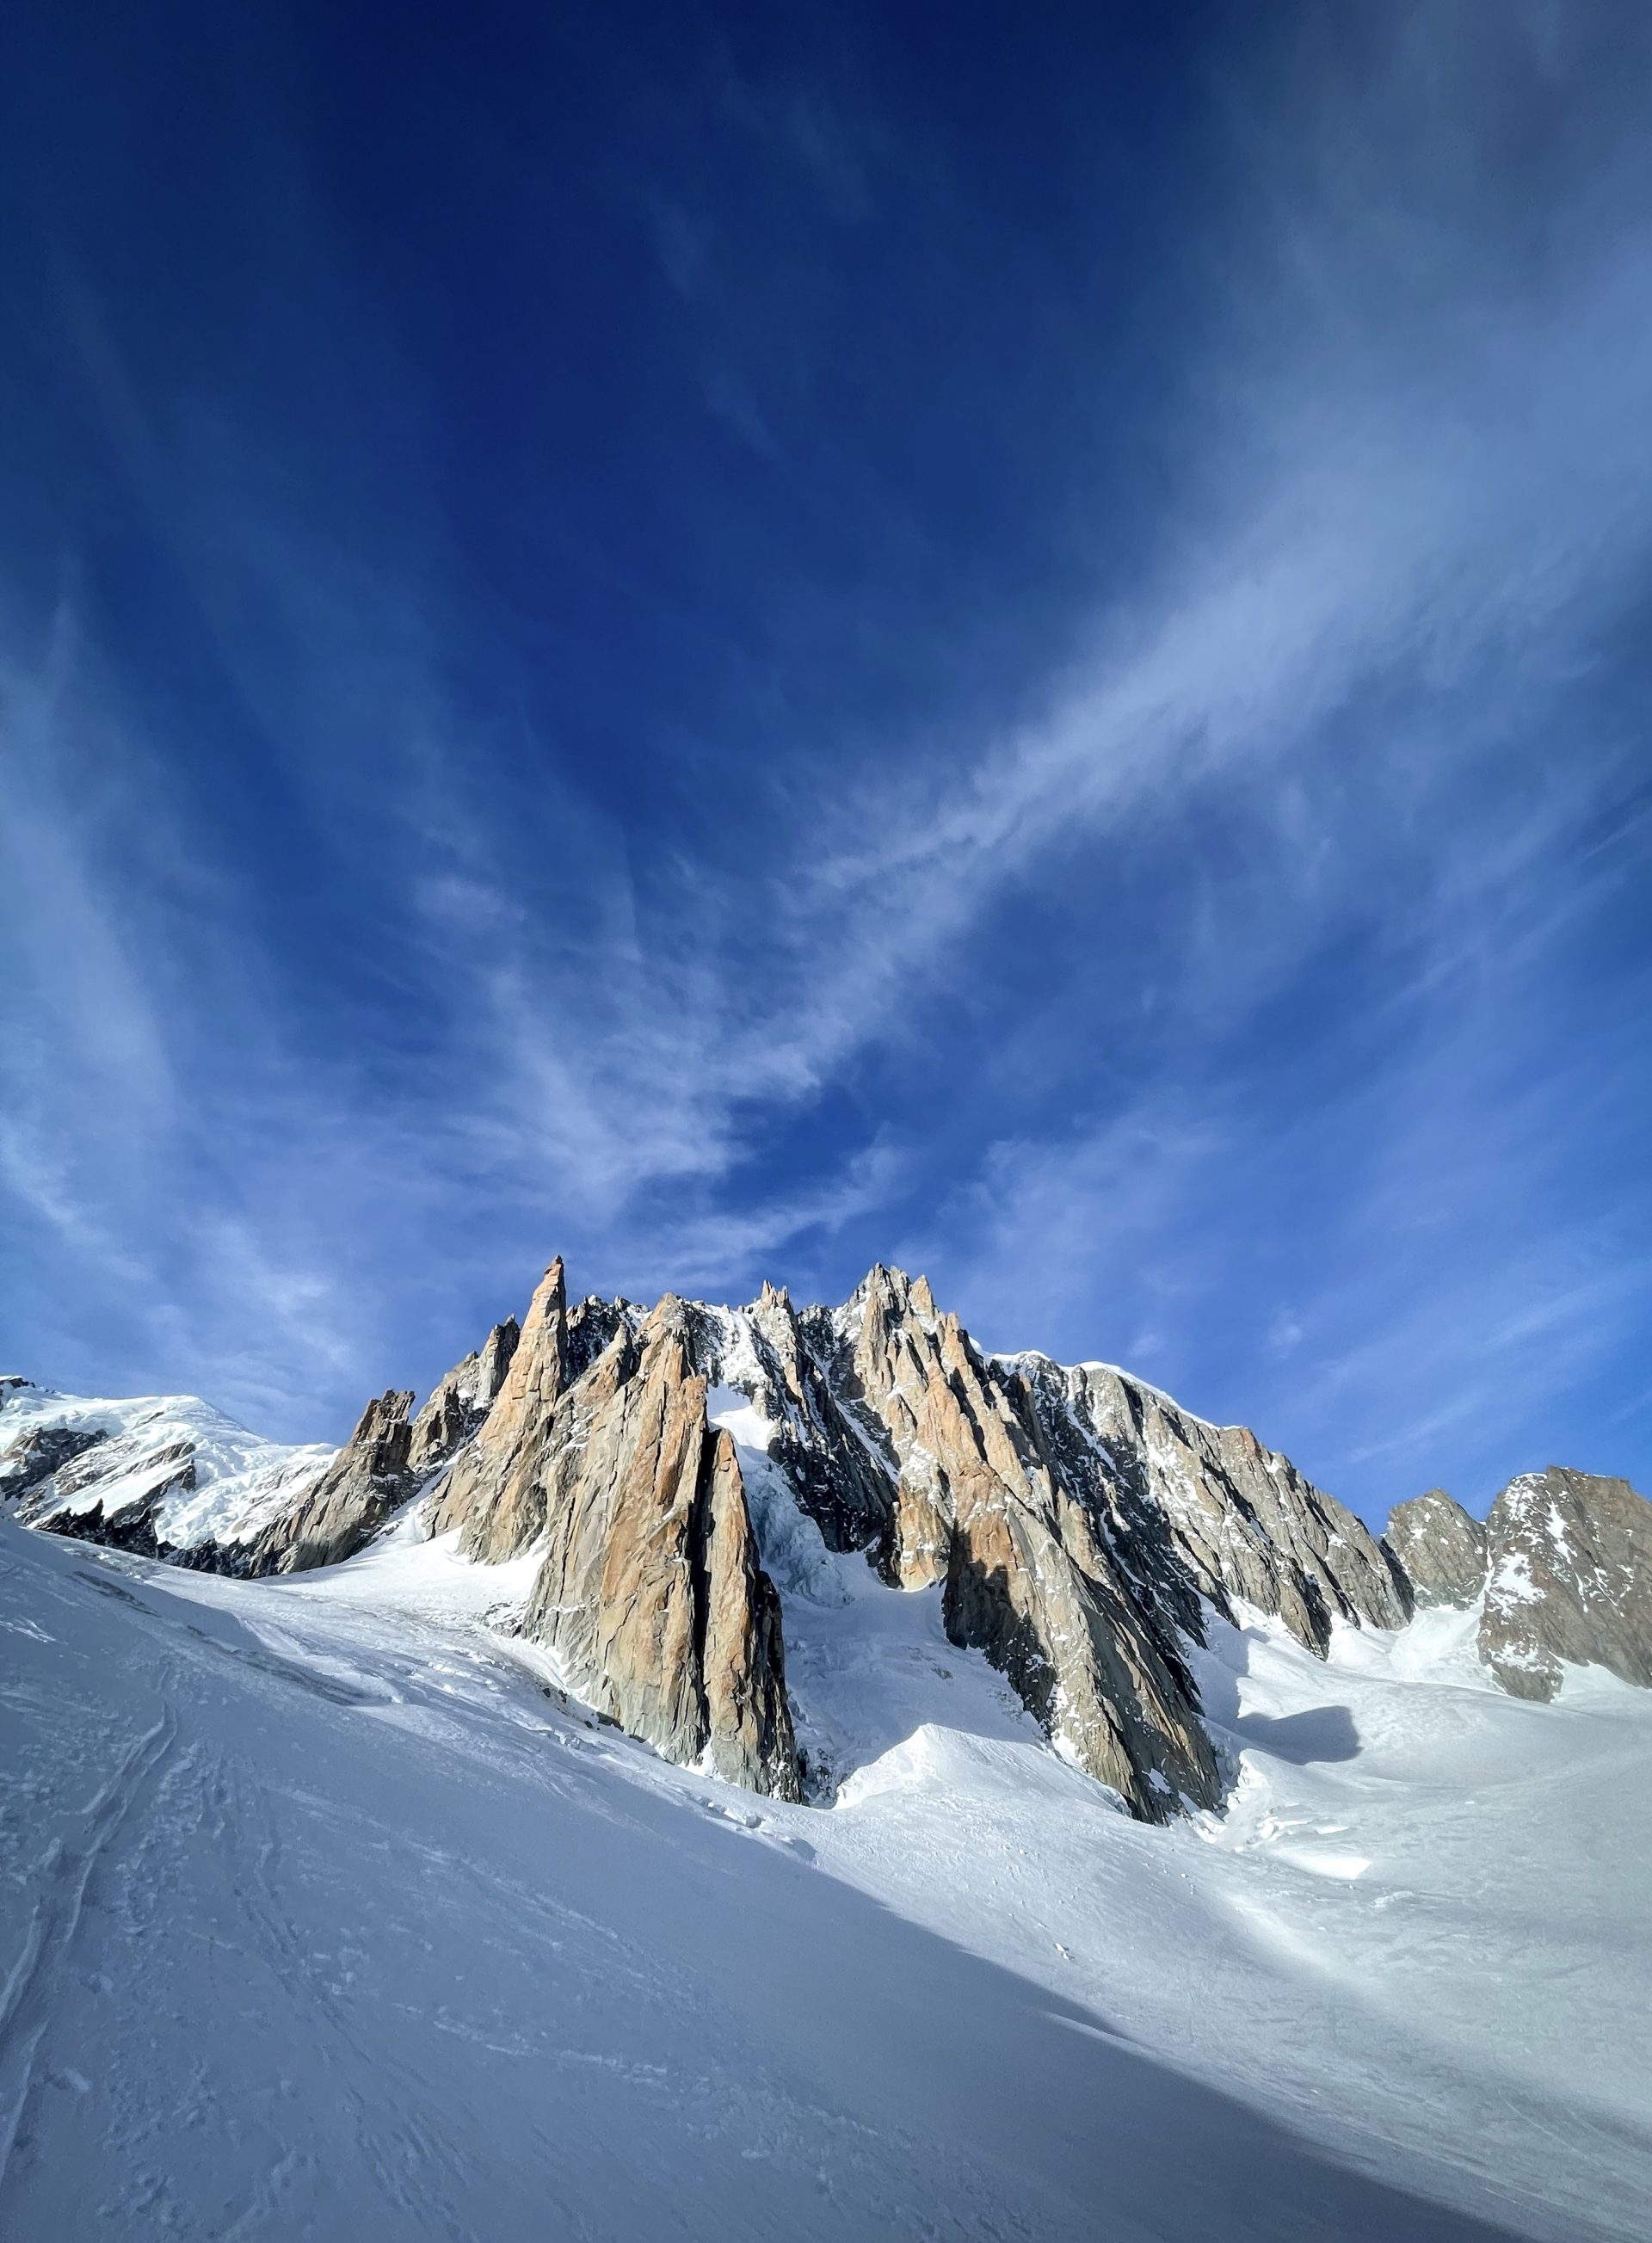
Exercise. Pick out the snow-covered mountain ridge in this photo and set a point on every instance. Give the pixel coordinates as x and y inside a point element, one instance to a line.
<point>162,1473</point>
<point>338,1904</point>
<point>687,1478</point>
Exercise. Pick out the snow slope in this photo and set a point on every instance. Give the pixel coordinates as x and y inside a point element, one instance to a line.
<point>321,1916</point>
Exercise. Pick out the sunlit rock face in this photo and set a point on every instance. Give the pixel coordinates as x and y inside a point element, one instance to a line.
<point>1569,1581</point>
<point>493,1489</point>
<point>978,1502</point>
<point>368,1480</point>
<point>665,1468</point>
<point>390,1456</point>
<point>463,1399</point>
<point>1075,1522</point>
<point>1438,1548</point>
<point>649,1593</point>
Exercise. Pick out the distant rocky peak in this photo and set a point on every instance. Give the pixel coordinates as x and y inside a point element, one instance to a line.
<point>1077,1526</point>
<point>1568,1581</point>
<point>1440,1549</point>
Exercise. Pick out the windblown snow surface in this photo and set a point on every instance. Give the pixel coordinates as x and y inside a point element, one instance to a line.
<point>323,1915</point>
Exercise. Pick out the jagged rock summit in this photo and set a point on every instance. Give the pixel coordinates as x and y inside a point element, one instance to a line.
<point>1438,1547</point>
<point>1568,1579</point>
<point>1561,1572</point>
<point>685,1476</point>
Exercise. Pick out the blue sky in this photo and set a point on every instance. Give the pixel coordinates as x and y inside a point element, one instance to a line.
<point>739,643</point>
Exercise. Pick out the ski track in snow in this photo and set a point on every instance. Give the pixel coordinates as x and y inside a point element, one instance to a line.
<point>324,1914</point>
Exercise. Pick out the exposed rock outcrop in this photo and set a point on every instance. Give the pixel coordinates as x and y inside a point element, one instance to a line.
<point>841,1482</point>
<point>649,1594</point>
<point>163,1476</point>
<point>368,1479</point>
<point>127,1475</point>
<point>1077,1526</point>
<point>462,1399</point>
<point>1243,1524</point>
<point>1028,1574</point>
<point>1438,1548</point>
<point>493,1489</point>
<point>1570,1580</point>
<point>41,1455</point>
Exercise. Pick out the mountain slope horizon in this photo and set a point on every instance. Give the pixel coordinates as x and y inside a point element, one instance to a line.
<point>684,1473</point>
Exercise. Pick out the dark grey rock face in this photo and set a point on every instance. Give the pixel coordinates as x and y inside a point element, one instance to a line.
<point>1438,1547</point>
<point>1570,1580</point>
<point>40,1456</point>
<point>977,1502</point>
<point>127,1475</point>
<point>1237,1521</point>
<point>820,1444</point>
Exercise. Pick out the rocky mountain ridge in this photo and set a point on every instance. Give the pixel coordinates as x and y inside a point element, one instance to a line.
<point>683,1473</point>
<point>1561,1569</point>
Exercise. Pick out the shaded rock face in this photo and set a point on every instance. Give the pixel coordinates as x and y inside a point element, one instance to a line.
<point>163,1476</point>
<point>1234,1520</point>
<point>145,1471</point>
<point>980,1504</point>
<point>1570,1579</point>
<point>134,1529</point>
<point>40,1455</point>
<point>166,1470</point>
<point>829,1454</point>
<point>1077,1518</point>
<point>1438,1548</point>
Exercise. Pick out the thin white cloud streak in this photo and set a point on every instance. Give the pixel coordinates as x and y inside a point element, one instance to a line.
<point>1379,505</point>
<point>230,1211</point>
<point>1384,508</point>
<point>188,1179</point>
<point>1396,547</point>
<point>1389,542</point>
<point>1393,487</point>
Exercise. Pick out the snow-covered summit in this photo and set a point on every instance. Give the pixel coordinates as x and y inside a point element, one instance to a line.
<point>177,1474</point>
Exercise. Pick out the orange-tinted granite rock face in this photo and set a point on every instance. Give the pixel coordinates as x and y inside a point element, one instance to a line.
<point>367,1481</point>
<point>490,1490</point>
<point>649,1591</point>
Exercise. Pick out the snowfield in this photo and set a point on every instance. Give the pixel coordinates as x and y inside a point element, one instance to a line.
<point>324,1915</point>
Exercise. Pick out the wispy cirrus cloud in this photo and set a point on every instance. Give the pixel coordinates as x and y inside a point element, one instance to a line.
<point>1006,988</point>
